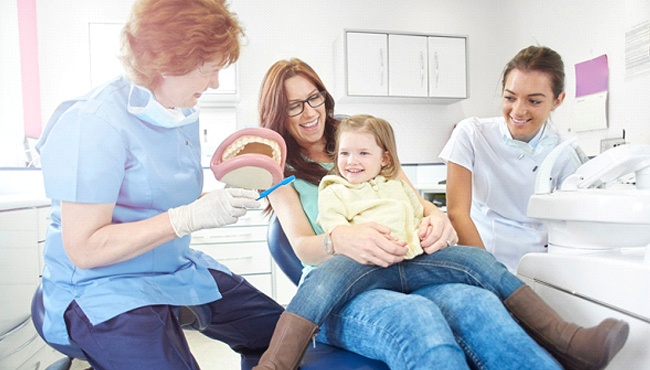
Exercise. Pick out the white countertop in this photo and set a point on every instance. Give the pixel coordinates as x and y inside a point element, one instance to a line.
<point>21,188</point>
<point>431,188</point>
<point>18,201</point>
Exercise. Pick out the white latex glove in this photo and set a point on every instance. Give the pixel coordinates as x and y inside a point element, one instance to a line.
<point>217,208</point>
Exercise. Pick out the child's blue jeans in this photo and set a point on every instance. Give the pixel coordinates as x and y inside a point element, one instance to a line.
<point>334,283</point>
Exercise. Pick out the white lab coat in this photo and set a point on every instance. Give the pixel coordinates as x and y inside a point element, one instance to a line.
<point>503,179</point>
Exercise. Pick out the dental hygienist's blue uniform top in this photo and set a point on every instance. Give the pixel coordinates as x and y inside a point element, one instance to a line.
<point>94,151</point>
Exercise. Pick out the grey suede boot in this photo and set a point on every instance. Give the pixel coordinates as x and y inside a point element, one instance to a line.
<point>573,346</point>
<point>290,339</point>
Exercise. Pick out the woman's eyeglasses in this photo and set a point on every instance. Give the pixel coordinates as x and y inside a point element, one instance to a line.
<point>314,101</point>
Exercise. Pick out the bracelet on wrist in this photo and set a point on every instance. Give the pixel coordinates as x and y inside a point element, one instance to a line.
<point>328,246</point>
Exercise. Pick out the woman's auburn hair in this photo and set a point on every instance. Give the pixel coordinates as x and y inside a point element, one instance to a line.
<point>174,37</point>
<point>273,115</point>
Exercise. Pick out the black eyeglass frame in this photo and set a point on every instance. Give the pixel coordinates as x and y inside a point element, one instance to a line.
<point>323,94</point>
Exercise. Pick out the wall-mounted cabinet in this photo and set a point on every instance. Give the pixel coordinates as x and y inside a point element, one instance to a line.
<point>366,64</point>
<point>447,67</point>
<point>378,64</point>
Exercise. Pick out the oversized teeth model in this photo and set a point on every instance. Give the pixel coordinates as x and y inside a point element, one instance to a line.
<point>253,144</point>
<point>251,158</point>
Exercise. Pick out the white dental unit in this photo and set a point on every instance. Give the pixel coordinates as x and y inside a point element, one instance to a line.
<point>598,260</point>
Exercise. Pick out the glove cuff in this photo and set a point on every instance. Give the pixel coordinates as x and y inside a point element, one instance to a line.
<point>179,219</point>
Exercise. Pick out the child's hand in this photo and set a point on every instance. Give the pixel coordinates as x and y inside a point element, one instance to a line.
<point>369,244</point>
<point>436,233</point>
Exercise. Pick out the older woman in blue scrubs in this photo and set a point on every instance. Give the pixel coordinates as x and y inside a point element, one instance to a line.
<point>122,167</point>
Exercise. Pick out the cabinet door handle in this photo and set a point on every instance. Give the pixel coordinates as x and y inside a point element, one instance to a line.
<point>213,238</point>
<point>422,70</point>
<point>245,235</point>
<point>235,258</point>
<point>437,67</point>
<point>382,68</point>
<point>15,328</point>
<point>23,345</point>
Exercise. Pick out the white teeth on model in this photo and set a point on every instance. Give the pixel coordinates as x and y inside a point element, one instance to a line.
<point>233,149</point>
<point>310,125</point>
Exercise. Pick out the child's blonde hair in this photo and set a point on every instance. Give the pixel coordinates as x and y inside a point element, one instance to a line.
<point>384,137</point>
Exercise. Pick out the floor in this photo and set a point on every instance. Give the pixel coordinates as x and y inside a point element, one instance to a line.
<point>210,354</point>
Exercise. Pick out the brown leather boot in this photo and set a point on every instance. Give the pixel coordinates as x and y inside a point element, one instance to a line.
<point>573,346</point>
<point>290,339</point>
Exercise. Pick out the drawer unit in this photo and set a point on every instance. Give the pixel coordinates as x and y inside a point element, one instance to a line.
<point>242,247</point>
<point>242,258</point>
<point>231,234</point>
<point>22,348</point>
<point>23,224</point>
<point>19,265</point>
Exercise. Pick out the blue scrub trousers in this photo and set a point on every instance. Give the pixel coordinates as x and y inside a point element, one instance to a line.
<point>151,337</point>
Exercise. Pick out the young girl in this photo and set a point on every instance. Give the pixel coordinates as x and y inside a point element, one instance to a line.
<point>368,191</point>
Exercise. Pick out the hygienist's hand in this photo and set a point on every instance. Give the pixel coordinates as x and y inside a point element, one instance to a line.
<point>369,244</point>
<point>217,208</point>
<point>436,233</point>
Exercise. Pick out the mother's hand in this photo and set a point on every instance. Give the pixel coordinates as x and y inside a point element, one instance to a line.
<point>436,232</point>
<point>369,244</point>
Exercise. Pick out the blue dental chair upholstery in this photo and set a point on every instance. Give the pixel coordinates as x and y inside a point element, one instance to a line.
<point>323,356</point>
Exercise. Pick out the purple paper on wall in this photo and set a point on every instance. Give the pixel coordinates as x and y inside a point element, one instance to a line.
<point>592,76</point>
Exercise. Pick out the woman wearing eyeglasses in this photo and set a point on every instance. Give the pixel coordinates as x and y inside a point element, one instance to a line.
<point>406,331</point>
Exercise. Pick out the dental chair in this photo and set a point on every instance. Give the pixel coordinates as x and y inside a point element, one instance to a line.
<point>322,356</point>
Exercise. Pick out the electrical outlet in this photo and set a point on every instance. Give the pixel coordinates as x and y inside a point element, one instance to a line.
<point>606,144</point>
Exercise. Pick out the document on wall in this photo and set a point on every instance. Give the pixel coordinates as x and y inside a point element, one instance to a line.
<point>592,84</point>
<point>637,49</point>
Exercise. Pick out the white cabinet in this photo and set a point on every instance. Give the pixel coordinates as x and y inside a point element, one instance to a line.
<point>20,265</point>
<point>284,289</point>
<point>377,64</point>
<point>22,232</point>
<point>242,247</point>
<point>367,64</point>
<point>447,67</point>
<point>407,66</point>
<point>227,94</point>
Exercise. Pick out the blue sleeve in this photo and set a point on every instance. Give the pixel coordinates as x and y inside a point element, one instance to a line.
<point>83,158</point>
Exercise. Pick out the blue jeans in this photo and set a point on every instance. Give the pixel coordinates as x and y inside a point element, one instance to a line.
<point>407,332</point>
<point>416,331</point>
<point>338,280</point>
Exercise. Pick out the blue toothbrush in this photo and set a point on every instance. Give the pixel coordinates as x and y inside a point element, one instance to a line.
<point>268,191</point>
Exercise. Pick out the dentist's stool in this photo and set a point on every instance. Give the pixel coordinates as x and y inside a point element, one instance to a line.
<point>323,357</point>
<point>190,317</point>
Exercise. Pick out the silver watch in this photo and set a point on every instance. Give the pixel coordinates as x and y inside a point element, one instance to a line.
<point>328,246</point>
